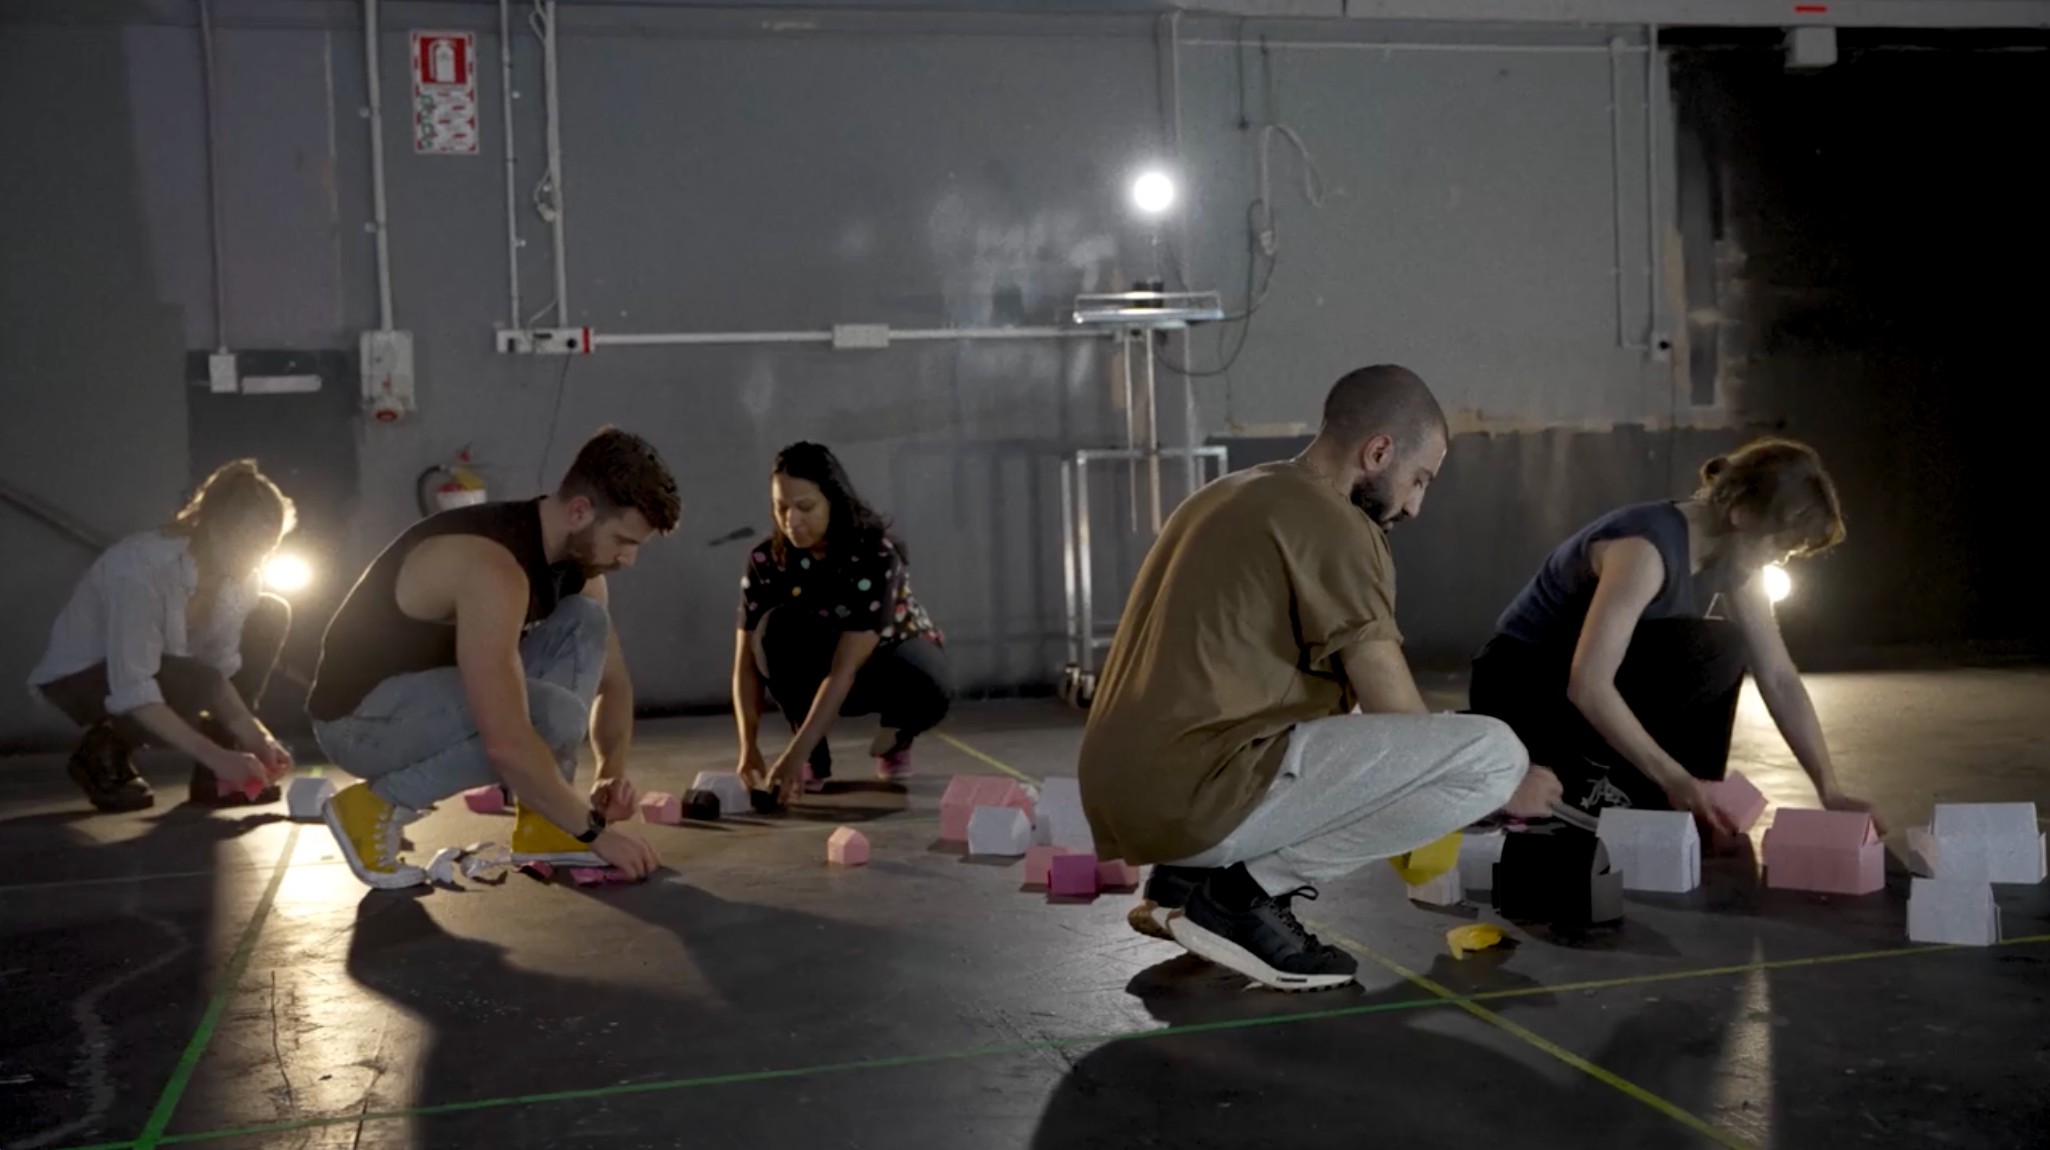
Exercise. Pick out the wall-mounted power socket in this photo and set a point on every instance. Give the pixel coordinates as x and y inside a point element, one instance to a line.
<point>561,340</point>
<point>515,341</point>
<point>220,373</point>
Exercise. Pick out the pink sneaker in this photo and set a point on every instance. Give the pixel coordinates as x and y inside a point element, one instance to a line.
<point>894,766</point>
<point>812,783</point>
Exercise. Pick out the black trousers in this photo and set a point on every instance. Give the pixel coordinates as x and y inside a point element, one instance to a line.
<point>189,686</point>
<point>906,684</point>
<point>1681,678</point>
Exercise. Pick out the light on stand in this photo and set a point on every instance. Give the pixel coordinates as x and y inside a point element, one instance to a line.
<point>1778,584</point>
<point>1153,193</point>
<point>286,573</point>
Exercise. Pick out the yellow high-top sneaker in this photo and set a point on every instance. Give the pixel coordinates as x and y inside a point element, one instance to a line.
<point>535,839</point>
<point>366,827</point>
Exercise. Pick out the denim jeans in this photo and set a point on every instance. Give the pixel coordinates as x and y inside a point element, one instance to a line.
<point>414,740</point>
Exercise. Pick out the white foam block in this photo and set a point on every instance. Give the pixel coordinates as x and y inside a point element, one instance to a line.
<point>1655,850</point>
<point>1478,854</point>
<point>1003,831</point>
<point>1992,842</point>
<point>1922,851</point>
<point>1445,890</point>
<point>1059,820</point>
<point>306,796</point>
<point>732,792</point>
<point>1954,911</point>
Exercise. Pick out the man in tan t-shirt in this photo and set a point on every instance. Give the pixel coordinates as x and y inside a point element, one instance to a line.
<point>1221,740</point>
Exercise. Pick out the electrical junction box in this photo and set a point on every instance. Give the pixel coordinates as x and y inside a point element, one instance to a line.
<point>220,373</point>
<point>1811,47</point>
<point>387,359</point>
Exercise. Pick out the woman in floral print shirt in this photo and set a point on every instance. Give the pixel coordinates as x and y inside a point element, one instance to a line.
<point>829,626</point>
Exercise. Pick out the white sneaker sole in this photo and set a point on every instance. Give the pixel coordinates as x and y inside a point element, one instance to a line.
<point>1226,953</point>
<point>399,879</point>
<point>560,858</point>
<point>1150,919</point>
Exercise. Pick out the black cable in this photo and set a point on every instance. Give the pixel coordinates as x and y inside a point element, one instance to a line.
<point>1255,299</point>
<point>548,444</point>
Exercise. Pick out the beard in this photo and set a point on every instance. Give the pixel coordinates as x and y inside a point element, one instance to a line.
<point>583,546</point>
<point>1375,498</point>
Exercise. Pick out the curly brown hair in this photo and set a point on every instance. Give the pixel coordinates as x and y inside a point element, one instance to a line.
<point>1782,487</point>
<point>617,470</point>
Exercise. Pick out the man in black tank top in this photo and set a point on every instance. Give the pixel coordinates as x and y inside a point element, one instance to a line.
<point>476,650</point>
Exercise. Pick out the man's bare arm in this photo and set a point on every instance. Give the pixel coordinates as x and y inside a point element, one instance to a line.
<point>1380,677</point>
<point>612,712</point>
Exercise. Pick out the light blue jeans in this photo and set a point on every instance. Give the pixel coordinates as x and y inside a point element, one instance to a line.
<point>413,738</point>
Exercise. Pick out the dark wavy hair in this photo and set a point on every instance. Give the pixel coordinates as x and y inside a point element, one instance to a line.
<point>851,521</point>
<point>1782,484</point>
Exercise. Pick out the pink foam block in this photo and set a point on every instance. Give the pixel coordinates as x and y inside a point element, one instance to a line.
<point>1021,799</point>
<point>1835,852</point>
<point>1736,797</point>
<point>485,800</point>
<point>1039,864</point>
<point>968,792</point>
<point>251,788</point>
<point>539,869</point>
<point>847,847</point>
<point>1116,874</point>
<point>594,876</point>
<point>662,807</point>
<point>1073,875</point>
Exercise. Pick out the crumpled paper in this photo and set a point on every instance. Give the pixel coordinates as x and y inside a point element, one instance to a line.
<point>1473,936</point>
<point>488,862</point>
<point>442,869</point>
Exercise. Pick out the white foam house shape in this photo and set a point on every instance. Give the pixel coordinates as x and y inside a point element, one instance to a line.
<point>1445,890</point>
<point>1478,854</point>
<point>732,792</point>
<point>1960,912</point>
<point>1922,852</point>
<point>1059,820</point>
<point>307,795</point>
<point>1001,831</point>
<point>1988,842</point>
<point>1655,850</point>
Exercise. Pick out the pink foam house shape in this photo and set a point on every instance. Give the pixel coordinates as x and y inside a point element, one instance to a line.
<point>1073,875</point>
<point>1039,864</point>
<point>968,792</point>
<point>1737,798</point>
<point>1835,852</point>
<point>847,847</point>
<point>1116,874</point>
<point>662,807</point>
<point>485,800</point>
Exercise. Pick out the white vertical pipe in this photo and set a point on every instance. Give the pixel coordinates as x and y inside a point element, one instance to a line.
<point>1616,192</point>
<point>371,57</point>
<point>512,225</point>
<point>1651,183</point>
<point>555,167</point>
<point>213,175</point>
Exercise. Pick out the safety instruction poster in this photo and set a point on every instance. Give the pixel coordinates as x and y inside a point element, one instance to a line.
<point>445,93</point>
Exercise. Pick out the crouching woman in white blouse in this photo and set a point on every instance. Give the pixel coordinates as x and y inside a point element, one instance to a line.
<point>168,640</point>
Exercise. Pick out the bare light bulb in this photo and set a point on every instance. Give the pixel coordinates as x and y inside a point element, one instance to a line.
<point>286,573</point>
<point>1153,193</point>
<point>1778,584</point>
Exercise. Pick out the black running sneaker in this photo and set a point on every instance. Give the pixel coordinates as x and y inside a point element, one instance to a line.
<point>1167,889</point>
<point>103,768</point>
<point>1264,942</point>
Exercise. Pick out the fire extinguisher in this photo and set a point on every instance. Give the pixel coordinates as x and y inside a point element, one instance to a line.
<point>446,486</point>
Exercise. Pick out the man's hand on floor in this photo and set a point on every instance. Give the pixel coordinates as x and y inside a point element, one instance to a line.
<point>628,852</point>
<point>1535,794</point>
<point>614,798</point>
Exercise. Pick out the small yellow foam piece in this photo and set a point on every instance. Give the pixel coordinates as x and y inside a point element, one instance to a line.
<point>1473,936</point>
<point>1428,862</point>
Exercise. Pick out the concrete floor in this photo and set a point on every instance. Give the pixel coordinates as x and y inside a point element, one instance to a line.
<point>220,979</point>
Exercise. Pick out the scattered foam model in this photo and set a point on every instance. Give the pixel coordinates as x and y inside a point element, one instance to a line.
<point>1116,874</point>
<point>1446,889</point>
<point>847,847</point>
<point>1655,850</point>
<point>1073,875</point>
<point>1060,821</point>
<point>1988,842</point>
<point>1039,864</point>
<point>1562,877</point>
<point>1834,852</point>
<point>701,805</point>
<point>733,797</point>
<point>1478,854</point>
<point>1956,911</point>
<point>1735,797</point>
<point>965,793</point>
<point>662,808</point>
<point>485,800</point>
<point>1003,831</point>
<point>306,796</point>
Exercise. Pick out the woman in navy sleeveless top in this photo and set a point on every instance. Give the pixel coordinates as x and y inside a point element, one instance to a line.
<point>1620,663</point>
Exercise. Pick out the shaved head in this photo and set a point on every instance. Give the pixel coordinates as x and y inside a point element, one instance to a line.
<point>1382,400</point>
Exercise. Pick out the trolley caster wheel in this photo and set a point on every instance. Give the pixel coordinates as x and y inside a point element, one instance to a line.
<point>1066,689</point>
<point>1085,690</point>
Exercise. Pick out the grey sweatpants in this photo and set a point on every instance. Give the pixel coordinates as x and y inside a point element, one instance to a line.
<point>413,737</point>
<point>1356,788</point>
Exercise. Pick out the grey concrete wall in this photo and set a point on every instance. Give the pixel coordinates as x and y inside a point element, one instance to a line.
<point>727,171</point>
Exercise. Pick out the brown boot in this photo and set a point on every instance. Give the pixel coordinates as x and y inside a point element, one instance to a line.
<point>103,767</point>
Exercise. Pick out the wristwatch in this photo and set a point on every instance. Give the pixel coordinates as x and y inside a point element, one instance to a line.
<point>596,828</point>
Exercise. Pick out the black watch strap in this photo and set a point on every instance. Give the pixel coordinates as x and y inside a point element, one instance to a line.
<point>597,827</point>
